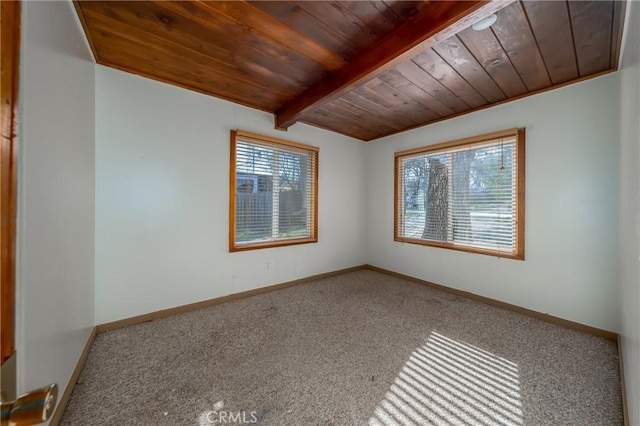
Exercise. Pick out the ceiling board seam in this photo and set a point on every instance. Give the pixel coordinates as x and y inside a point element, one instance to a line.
<point>375,114</point>
<point>372,103</point>
<point>509,59</point>
<point>355,20</point>
<point>611,35</point>
<point>415,99</point>
<point>375,31</point>
<point>353,121</point>
<point>535,39</point>
<point>336,33</point>
<point>428,95</point>
<point>323,113</point>
<point>439,82</point>
<point>387,109</point>
<point>392,10</point>
<point>482,66</point>
<point>357,118</point>
<point>573,39</point>
<point>393,89</point>
<point>460,75</point>
<point>388,14</point>
<point>323,127</point>
<point>292,45</point>
<point>432,98</point>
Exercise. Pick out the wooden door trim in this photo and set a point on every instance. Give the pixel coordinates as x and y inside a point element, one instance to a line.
<point>9,62</point>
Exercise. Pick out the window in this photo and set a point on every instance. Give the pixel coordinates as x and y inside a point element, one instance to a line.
<point>464,195</point>
<point>273,197</point>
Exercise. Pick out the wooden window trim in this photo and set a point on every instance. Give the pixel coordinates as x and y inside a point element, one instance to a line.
<point>275,142</point>
<point>519,134</point>
<point>10,36</point>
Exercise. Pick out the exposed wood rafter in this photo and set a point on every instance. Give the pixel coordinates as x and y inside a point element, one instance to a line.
<point>435,23</point>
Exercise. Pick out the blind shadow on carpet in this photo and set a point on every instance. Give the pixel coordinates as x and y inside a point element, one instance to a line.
<point>452,382</point>
<point>362,348</point>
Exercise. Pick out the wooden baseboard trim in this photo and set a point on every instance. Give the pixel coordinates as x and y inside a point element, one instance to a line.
<point>242,295</point>
<point>216,301</point>
<point>64,399</point>
<point>625,407</point>
<point>504,305</point>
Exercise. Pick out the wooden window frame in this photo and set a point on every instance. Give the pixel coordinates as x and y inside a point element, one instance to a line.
<point>10,36</point>
<point>276,143</point>
<point>519,215</point>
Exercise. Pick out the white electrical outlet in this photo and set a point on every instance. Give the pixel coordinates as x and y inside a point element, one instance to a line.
<point>269,264</point>
<point>298,267</point>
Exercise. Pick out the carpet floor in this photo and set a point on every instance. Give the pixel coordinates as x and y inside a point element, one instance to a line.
<point>361,348</point>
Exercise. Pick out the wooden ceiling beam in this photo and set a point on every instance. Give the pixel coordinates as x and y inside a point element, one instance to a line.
<point>434,23</point>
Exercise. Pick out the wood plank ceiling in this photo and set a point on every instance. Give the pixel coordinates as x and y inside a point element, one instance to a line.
<point>365,69</point>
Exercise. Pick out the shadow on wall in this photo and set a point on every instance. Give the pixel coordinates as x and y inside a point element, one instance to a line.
<point>448,382</point>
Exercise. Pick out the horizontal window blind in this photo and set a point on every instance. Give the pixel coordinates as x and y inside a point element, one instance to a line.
<point>274,193</point>
<point>461,196</point>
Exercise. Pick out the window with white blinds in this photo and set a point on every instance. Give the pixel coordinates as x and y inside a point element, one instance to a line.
<point>273,191</point>
<point>465,195</point>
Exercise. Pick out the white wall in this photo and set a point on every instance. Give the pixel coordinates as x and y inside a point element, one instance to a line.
<point>55,282</point>
<point>162,201</point>
<point>571,206</point>
<point>630,208</point>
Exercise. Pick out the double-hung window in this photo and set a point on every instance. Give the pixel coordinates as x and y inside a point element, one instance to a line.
<point>465,195</point>
<point>273,192</point>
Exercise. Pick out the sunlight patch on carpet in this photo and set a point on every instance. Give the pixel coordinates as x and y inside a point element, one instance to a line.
<point>449,382</point>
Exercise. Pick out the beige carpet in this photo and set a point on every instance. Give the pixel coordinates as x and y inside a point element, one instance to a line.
<point>356,349</point>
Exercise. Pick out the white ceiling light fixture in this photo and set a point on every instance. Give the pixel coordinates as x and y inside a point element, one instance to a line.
<point>485,23</point>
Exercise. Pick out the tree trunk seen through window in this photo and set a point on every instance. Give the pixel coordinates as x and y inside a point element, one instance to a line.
<point>436,202</point>
<point>464,195</point>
